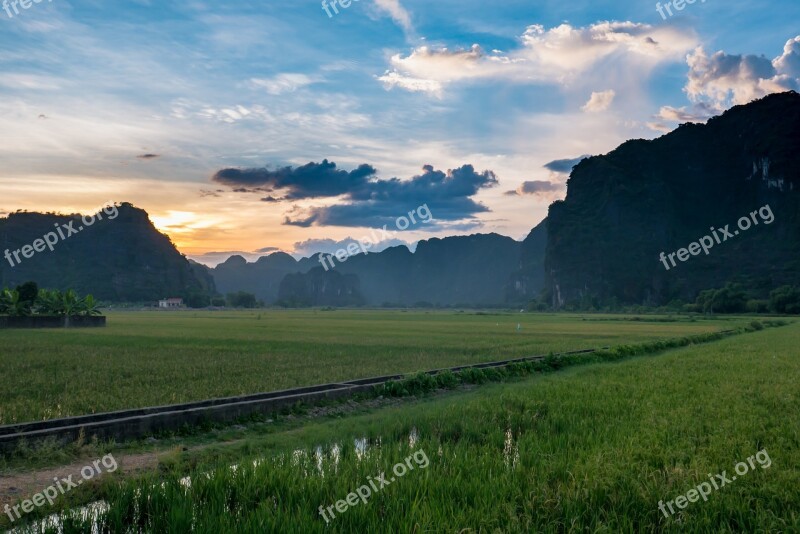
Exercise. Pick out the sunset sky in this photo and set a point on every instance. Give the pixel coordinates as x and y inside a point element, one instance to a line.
<point>249,127</point>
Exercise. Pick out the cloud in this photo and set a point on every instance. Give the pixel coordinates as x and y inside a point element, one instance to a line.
<point>415,85</point>
<point>554,187</point>
<point>268,249</point>
<point>189,109</point>
<point>396,11</point>
<point>564,166</point>
<point>722,80</point>
<point>312,180</point>
<point>555,56</point>
<point>536,188</point>
<point>283,83</point>
<point>659,127</point>
<point>375,203</point>
<point>789,62</point>
<point>700,112</point>
<point>311,247</point>
<point>148,156</point>
<point>599,101</point>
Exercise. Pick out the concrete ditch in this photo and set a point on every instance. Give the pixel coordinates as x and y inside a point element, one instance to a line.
<point>137,423</point>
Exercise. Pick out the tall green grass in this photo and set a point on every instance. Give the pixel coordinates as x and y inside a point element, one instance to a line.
<point>592,448</point>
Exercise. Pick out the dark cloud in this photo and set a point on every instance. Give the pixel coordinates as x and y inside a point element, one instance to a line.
<point>368,201</point>
<point>148,156</point>
<point>447,195</point>
<point>207,193</point>
<point>564,166</point>
<point>313,180</point>
<point>535,187</point>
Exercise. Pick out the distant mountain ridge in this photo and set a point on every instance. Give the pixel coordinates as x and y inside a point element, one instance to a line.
<point>460,270</point>
<point>646,197</point>
<point>124,259</point>
<point>598,247</point>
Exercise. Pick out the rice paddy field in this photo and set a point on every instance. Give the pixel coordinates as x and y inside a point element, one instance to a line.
<point>593,448</point>
<point>155,358</point>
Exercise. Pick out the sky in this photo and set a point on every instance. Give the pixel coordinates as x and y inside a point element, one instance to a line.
<point>247,127</point>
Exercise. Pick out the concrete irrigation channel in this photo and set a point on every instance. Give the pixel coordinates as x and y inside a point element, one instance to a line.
<point>137,423</point>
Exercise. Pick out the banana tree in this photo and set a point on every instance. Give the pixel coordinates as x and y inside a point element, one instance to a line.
<point>90,306</point>
<point>70,303</point>
<point>11,304</point>
<point>50,302</point>
<point>5,300</point>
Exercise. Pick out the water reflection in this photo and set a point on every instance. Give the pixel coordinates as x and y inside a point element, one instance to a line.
<point>322,457</point>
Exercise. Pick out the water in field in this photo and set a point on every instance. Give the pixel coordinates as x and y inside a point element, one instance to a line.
<point>311,464</point>
<point>55,523</point>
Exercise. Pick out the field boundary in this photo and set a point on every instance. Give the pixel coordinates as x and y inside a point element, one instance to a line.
<point>137,423</point>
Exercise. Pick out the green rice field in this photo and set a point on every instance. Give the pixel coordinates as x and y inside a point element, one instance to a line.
<point>154,358</point>
<point>592,448</point>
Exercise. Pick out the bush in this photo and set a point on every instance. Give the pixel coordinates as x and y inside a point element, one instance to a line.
<point>785,299</point>
<point>757,306</point>
<point>728,299</point>
<point>241,299</point>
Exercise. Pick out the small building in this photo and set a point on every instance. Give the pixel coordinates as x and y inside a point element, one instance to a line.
<point>171,303</point>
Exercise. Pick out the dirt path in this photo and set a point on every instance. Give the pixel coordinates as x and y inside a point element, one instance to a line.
<point>17,486</point>
<point>24,485</point>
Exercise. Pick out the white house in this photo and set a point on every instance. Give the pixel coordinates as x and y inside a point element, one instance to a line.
<point>170,303</point>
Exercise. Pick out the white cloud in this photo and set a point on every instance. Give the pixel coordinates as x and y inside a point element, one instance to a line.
<point>283,83</point>
<point>699,112</point>
<point>395,79</point>
<point>658,127</point>
<point>722,80</point>
<point>560,55</point>
<point>396,11</point>
<point>789,62</point>
<point>599,101</point>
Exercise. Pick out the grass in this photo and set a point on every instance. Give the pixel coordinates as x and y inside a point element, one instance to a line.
<point>592,448</point>
<point>146,359</point>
